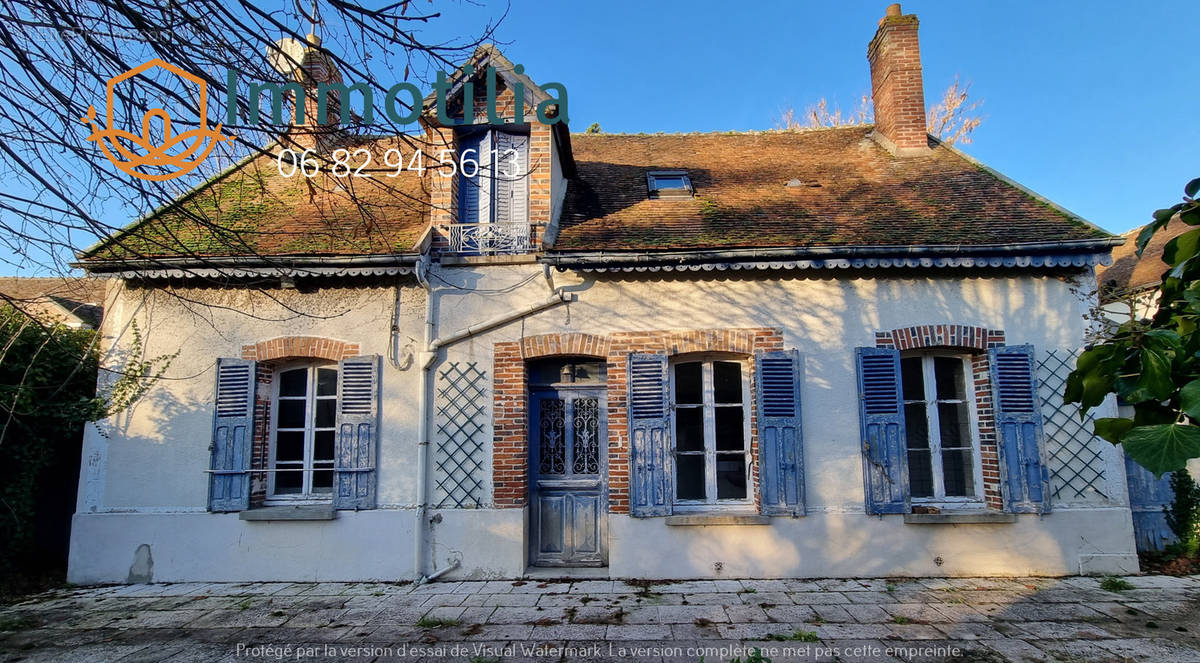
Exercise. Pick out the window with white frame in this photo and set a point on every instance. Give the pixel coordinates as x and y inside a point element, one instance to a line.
<point>712,432</point>
<point>943,449</point>
<point>303,431</point>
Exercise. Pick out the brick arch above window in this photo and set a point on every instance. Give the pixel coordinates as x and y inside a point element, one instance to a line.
<point>286,347</point>
<point>940,336</point>
<point>574,343</point>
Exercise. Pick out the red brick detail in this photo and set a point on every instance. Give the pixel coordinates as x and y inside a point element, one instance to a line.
<point>940,336</point>
<point>286,347</point>
<point>510,441</point>
<point>975,341</point>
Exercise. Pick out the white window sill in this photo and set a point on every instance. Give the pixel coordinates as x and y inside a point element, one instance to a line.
<point>959,518</point>
<point>709,519</point>
<point>293,512</point>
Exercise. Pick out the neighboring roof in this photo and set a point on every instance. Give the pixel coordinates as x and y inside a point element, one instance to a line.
<point>252,211</point>
<point>74,301</point>
<point>1128,271</point>
<point>851,192</point>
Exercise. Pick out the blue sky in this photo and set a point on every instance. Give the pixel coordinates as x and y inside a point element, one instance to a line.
<point>1093,105</point>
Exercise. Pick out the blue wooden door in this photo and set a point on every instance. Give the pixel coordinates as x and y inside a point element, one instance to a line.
<point>567,471</point>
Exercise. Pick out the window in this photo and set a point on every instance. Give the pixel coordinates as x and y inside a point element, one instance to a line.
<point>669,184</point>
<point>942,449</point>
<point>303,430</point>
<point>711,432</point>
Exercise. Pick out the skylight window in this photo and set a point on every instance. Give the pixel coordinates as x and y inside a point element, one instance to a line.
<point>669,184</point>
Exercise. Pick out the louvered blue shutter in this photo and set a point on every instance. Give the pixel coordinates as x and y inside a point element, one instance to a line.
<point>1018,412</point>
<point>469,187</point>
<point>357,426</point>
<point>881,420</point>
<point>780,438</point>
<point>487,176</point>
<point>652,484</point>
<point>502,212</point>
<point>233,421</point>
<point>518,172</point>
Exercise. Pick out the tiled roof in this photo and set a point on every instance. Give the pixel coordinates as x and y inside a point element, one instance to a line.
<point>253,211</point>
<point>1128,272</point>
<point>42,297</point>
<point>851,192</point>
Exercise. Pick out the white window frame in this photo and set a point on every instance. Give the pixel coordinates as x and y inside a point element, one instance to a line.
<point>305,496</point>
<point>712,503</point>
<point>933,423</point>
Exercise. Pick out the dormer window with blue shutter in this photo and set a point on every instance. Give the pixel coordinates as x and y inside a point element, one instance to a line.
<point>493,192</point>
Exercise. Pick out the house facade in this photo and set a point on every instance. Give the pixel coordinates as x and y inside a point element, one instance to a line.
<point>767,354</point>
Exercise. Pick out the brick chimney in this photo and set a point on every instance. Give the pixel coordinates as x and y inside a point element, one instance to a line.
<point>896,85</point>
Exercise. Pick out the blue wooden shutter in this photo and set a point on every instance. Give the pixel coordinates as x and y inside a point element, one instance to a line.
<point>519,175</point>
<point>652,484</point>
<point>233,423</point>
<point>468,187</point>
<point>487,176</point>
<point>780,437</point>
<point>1018,411</point>
<point>502,212</point>
<point>881,419</point>
<point>357,428</point>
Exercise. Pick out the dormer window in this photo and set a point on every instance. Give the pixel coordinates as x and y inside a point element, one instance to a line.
<point>493,192</point>
<point>669,184</point>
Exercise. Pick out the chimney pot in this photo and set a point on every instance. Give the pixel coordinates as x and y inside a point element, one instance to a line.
<point>893,9</point>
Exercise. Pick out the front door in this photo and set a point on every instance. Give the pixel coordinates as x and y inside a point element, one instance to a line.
<point>568,465</point>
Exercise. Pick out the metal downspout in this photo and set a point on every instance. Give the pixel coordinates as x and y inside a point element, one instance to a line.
<point>427,357</point>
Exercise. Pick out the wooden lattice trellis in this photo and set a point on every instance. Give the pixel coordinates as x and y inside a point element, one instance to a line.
<point>461,419</point>
<point>1073,451</point>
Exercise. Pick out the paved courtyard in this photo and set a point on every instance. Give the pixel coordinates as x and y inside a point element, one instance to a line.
<point>717,621</point>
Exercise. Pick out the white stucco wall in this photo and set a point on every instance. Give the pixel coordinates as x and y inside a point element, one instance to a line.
<point>144,483</point>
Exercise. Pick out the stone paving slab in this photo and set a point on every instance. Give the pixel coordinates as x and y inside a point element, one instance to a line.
<point>986,620</point>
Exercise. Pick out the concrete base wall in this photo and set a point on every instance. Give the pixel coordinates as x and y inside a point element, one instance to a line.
<point>491,543</point>
<point>838,545</point>
<point>365,545</point>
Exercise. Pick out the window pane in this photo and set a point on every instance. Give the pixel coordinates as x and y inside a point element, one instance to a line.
<point>957,471</point>
<point>289,446</point>
<point>730,432</point>
<point>727,382</point>
<point>688,383</point>
<point>916,426</point>
<point>953,421</point>
<point>668,182</point>
<point>949,372</point>
<point>913,378</point>
<point>289,482</point>
<point>689,429</point>
<point>689,477</point>
<point>920,473</point>
<point>326,411</point>
<point>291,413</point>
<point>323,445</point>
<point>293,382</point>
<point>731,476</point>
<point>326,382</point>
<point>323,481</point>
